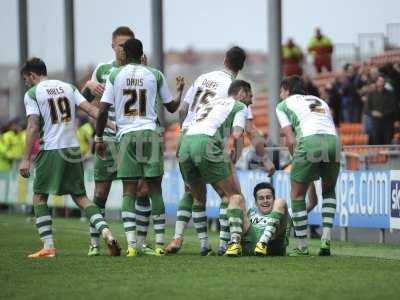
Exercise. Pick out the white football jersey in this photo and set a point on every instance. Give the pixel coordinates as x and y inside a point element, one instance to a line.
<point>54,101</point>
<point>219,114</point>
<point>308,115</point>
<point>206,87</point>
<point>133,90</point>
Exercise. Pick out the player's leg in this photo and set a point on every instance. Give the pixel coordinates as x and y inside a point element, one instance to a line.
<point>183,215</point>
<point>200,217</point>
<point>97,220</point>
<point>311,203</point>
<point>44,226</point>
<point>153,170</point>
<point>276,225</point>
<point>299,216</point>
<point>305,169</point>
<point>329,175</point>
<point>224,233</point>
<point>143,213</point>
<point>128,215</point>
<point>101,191</point>
<point>105,171</point>
<point>157,212</point>
<point>236,211</point>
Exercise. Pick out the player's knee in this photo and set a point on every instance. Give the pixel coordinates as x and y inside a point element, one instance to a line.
<point>280,204</point>
<point>39,199</point>
<point>236,200</point>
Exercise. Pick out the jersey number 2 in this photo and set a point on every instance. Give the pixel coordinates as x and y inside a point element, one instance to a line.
<point>63,107</point>
<point>129,110</point>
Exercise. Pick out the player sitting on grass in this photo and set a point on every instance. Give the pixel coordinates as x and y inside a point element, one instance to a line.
<point>266,233</point>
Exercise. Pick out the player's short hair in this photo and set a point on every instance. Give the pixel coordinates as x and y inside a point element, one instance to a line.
<point>235,58</point>
<point>294,84</point>
<point>123,30</point>
<point>34,65</point>
<point>261,186</point>
<point>237,85</point>
<point>133,49</point>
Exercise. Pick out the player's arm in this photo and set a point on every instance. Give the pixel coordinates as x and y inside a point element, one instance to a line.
<point>93,112</point>
<point>102,118</point>
<point>173,105</point>
<point>93,88</point>
<point>106,101</point>
<point>187,101</point>
<point>286,125</point>
<point>258,142</point>
<point>238,126</point>
<point>237,136</point>
<point>290,138</point>
<point>32,133</point>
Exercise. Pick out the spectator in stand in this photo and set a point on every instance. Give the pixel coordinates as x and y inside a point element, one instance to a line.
<point>310,87</point>
<point>332,96</point>
<point>381,106</point>
<point>85,134</point>
<point>351,104</point>
<point>393,78</point>
<point>292,59</point>
<point>321,48</point>
<point>12,142</point>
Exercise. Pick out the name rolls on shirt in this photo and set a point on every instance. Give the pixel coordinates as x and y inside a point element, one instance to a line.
<point>55,102</point>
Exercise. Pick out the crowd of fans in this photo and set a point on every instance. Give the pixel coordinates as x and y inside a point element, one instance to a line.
<point>359,93</point>
<point>367,94</point>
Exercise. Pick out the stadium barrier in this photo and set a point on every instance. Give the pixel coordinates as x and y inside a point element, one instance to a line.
<point>365,199</point>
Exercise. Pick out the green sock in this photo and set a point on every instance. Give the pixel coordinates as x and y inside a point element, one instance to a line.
<point>224,233</point>
<point>235,217</point>
<point>95,218</point>
<point>183,214</point>
<point>158,217</point>
<point>129,219</point>
<point>273,221</point>
<point>43,225</point>
<point>300,221</point>
<point>328,214</point>
<point>200,223</point>
<point>94,234</point>
<point>142,212</point>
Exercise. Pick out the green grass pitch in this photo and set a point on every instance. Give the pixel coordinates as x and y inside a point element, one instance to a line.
<point>356,271</point>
